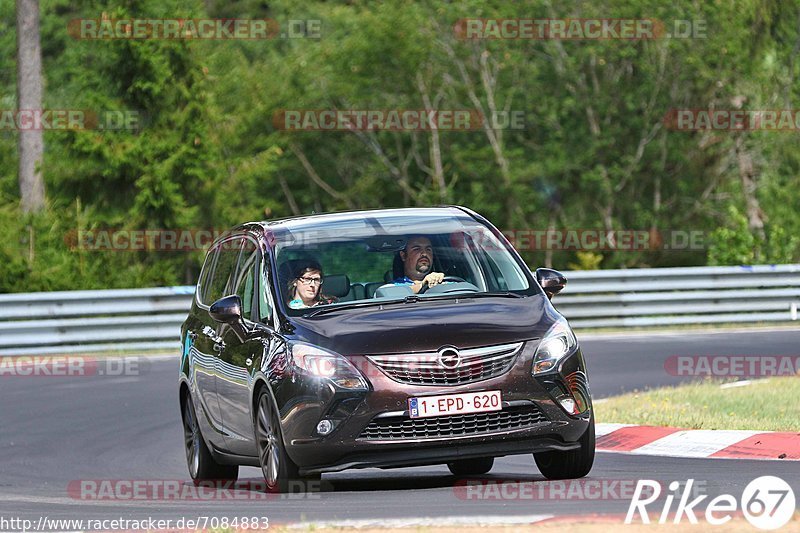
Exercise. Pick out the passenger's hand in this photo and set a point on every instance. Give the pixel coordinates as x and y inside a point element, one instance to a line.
<point>434,278</point>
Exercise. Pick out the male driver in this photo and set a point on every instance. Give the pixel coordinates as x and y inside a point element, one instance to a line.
<point>417,258</point>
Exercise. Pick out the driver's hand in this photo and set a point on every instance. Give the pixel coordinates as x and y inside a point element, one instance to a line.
<point>434,278</point>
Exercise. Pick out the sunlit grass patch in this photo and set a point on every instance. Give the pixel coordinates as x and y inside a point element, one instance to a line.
<point>770,404</point>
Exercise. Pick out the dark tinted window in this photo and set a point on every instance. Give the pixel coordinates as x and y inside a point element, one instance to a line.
<point>224,270</point>
<point>364,249</point>
<point>246,277</point>
<point>264,307</point>
<point>205,276</point>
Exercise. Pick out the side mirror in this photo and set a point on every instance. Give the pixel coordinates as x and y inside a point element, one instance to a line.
<point>227,310</point>
<point>552,281</point>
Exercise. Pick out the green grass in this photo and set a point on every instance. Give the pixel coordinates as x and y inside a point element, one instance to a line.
<point>771,404</point>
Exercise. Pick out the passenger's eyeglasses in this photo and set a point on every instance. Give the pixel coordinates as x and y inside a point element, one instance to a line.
<point>309,281</point>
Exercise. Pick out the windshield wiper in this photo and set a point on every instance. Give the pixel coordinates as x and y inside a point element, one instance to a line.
<point>410,299</point>
<point>354,305</point>
<point>469,295</point>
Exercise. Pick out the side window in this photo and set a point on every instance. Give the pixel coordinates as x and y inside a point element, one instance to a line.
<point>264,309</point>
<point>205,276</point>
<point>496,276</point>
<point>506,271</point>
<point>221,279</point>
<point>246,277</point>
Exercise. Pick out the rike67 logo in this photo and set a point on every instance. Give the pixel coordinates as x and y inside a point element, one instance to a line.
<point>767,502</point>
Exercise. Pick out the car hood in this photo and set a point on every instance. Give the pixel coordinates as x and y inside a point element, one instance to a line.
<point>428,325</point>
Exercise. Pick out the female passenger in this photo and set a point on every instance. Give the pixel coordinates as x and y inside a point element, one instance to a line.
<point>305,287</point>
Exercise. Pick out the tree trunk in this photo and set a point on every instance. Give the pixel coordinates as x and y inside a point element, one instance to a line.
<point>29,97</point>
<point>435,148</point>
<point>748,175</point>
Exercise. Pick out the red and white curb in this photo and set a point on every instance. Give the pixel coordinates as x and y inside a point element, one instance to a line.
<point>703,443</point>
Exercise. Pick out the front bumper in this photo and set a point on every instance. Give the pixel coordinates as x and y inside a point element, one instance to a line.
<point>350,446</point>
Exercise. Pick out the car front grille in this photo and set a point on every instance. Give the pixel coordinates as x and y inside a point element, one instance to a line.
<point>425,368</point>
<point>405,428</point>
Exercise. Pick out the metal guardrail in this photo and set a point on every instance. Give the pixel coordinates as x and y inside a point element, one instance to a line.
<point>91,321</point>
<point>669,296</point>
<point>149,319</point>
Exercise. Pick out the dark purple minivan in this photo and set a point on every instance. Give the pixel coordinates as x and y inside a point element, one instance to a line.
<point>384,338</point>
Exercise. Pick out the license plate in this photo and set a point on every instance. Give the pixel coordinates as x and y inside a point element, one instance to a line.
<point>455,404</point>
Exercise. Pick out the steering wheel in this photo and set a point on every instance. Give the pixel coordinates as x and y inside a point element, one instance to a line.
<point>454,279</point>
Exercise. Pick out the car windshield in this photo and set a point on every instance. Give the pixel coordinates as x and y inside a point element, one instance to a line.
<point>361,260</point>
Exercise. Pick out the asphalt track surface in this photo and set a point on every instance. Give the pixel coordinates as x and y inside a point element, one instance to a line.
<point>55,431</point>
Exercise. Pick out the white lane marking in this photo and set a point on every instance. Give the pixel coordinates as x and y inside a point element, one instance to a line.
<point>735,384</point>
<point>423,522</point>
<point>605,429</point>
<point>694,443</point>
<point>60,500</point>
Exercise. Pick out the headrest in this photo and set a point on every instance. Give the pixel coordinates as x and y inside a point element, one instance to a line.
<point>398,269</point>
<point>394,291</point>
<point>336,285</point>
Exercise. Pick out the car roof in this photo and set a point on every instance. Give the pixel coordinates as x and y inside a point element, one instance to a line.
<point>300,222</point>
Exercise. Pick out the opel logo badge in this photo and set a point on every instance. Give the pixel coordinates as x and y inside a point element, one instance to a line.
<point>449,358</point>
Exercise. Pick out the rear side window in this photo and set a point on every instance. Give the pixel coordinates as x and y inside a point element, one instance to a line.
<point>205,276</point>
<point>246,277</point>
<point>264,307</point>
<point>221,278</point>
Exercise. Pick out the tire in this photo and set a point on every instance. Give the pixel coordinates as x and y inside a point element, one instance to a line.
<point>276,466</point>
<point>202,466</point>
<point>471,467</point>
<point>570,464</point>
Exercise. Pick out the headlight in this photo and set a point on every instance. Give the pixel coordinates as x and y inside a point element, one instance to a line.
<point>327,365</point>
<point>557,342</point>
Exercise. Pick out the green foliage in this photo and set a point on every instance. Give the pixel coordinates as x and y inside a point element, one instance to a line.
<point>586,261</point>
<point>732,244</point>
<point>593,152</point>
<point>735,244</point>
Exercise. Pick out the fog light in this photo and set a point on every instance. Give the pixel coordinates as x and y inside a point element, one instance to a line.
<point>569,405</point>
<point>324,427</point>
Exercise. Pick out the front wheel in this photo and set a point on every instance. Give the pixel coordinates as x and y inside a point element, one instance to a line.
<point>202,466</point>
<point>570,464</point>
<point>277,467</point>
